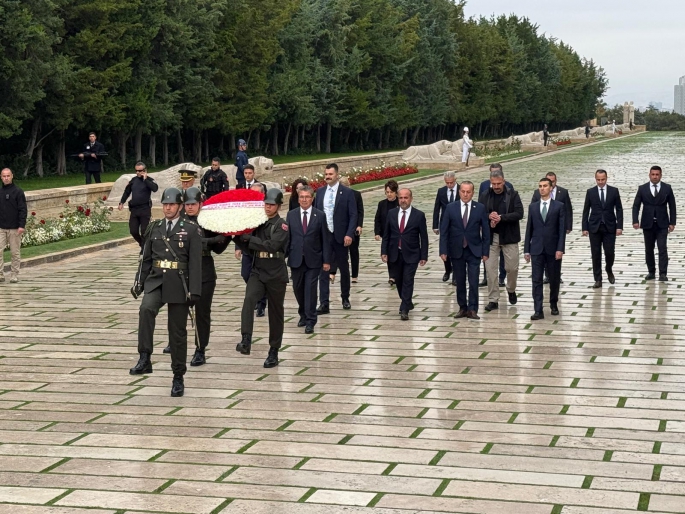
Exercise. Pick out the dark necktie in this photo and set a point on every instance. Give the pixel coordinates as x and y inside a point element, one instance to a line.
<point>451,195</point>
<point>465,219</point>
<point>656,190</point>
<point>601,196</point>
<point>169,226</point>
<point>404,217</point>
<point>304,222</point>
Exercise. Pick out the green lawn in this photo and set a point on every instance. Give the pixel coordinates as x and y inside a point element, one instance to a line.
<point>118,231</point>
<point>287,159</point>
<point>509,157</point>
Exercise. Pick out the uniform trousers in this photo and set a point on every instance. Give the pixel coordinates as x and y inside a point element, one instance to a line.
<point>275,295</point>
<point>138,222</point>
<point>404,273</point>
<point>660,237</point>
<point>176,325</point>
<point>203,315</point>
<point>305,288</point>
<point>606,239</point>
<point>245,272</point>
<point>13,238</point>
<point>507,255</point>
<point>547,263</point>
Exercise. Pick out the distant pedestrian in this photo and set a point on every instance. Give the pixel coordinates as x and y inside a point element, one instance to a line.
<point>12,222</point>
<point>214,181</point>
<point>92,158</point>
<point>466,148</point>
<point>587,130</point>
<point>613,127</point>
<point>545,134</point>
<point>446,195</point>
<point>354,247</point>
<point>379,222</point>
<point>241,161</point>
<point>140,189</point>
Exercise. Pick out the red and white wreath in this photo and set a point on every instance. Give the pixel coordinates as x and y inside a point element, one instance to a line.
<point>233,212</point>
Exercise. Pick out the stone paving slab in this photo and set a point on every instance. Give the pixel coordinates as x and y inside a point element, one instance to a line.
<point>583,413</point>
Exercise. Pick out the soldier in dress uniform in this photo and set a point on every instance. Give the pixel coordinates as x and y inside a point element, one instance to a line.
<point>267,245</point>
<point>170,273</point>
<point>187,178</point>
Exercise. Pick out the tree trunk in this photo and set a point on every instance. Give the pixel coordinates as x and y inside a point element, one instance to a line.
<point>329,133</point>
<point>39,160</point>
<point>318,138</point>
<point>123,138</point>
<point>231,145</point>
<point>414,135</point>
<point>296,138</point>
<point>179,144</point>
<point>287,137</point>
<point>165,149</point>
<point>152,152</point>
<point>258,140</point>
<point>139,144</point>
<point>274,139</point>
<point>207,157</point>
<point>197,146</point>
<point>31,146</point>
<point>249,136</point>
<point>61,154</point>
<point>221,145</point>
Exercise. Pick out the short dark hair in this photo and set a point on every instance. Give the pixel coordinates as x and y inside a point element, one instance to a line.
<point>545,179</point>
<point>332,166</point>
<point>140,163</point>
<point>657,168</point>
<point>601,171</point>
<point>496,165</point>
<point>551,174</point>
<point>92,134</point>
<point>392,185</point>
<point>216,159</point>
<point>248,167</point>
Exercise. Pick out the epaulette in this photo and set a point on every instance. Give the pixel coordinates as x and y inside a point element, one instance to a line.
<point>150,227</point>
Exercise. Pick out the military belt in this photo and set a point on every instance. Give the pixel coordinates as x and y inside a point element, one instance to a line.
<point>170,265</point>
<point>267,255</point>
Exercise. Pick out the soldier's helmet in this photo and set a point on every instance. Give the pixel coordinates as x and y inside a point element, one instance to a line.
<point>172,195</point>
<point>274,196</point>
<point>193,195</point>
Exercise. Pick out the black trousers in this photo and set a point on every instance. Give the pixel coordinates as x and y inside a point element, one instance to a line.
<point>275,294</point>
<point>93,174</point>
<point>176,325</point>
<point>306,293</point>
<point>467,264</point>
<point>404,274</point>
<point>339,257</point>
<point>203,315</point>
<point>138,222</point>
<point>606,239</point>
<point>448,266</point>
<point>660,237</point>
<point>545,263</point>
<point>245,271</point>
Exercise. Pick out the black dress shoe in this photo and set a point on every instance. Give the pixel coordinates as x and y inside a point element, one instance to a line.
<point>554,309</point>
<point>260,312</point>
<point>144,365</point>
<point>167,349</point>
<point>445,277</point>
<point>545,280</point>
<point>483,283</point>
<point>561,281</point>
<point>346,305</point>
<point>611,277</point>
<point>198,358</point>
<point>492,306</point>
<point>302,322</point>
<point>454,283</point>
<point>323,309</point>
<point>649,276</point>
<point>512,298</point>
<point>272,359</point>
<point>461,313</point>
<point>472,315</point>
<point>663,278</point>
<point>245,345</point>
<point>597,284</point>
<point>501,284</point>
<point>309,329</point>
<point>537,316</point>
<point>177,388</point>
<point>404,315</point>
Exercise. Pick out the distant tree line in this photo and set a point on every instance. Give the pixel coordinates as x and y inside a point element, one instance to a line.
<point>177,80</point>
<point>653,118</point>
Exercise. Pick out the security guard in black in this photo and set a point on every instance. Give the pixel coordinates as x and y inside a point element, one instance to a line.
<point>140,189</point>
<point>214,181</point>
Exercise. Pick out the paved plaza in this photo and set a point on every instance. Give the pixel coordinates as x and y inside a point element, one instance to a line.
<point>583,413</point>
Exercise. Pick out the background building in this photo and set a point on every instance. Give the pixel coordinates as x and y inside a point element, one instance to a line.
<point>679,97</point>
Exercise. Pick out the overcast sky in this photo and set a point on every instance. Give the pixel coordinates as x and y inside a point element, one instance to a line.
<point>639,43</point>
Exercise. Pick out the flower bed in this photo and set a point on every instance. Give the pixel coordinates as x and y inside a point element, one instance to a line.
<point>561,141</point>
<point>500,150</point>
<point>73,222</point>
<point>359,175</point>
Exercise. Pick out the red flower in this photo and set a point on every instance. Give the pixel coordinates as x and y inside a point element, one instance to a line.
<point>66,201</point>
<point>33,213</point>
<point>61,216</point>
<point>87,212</point>
<point>42,222</point>
<point>79,208</point>
<point>104,198</point>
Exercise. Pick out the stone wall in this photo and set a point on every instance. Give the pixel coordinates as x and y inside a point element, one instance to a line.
<point>48,203</point>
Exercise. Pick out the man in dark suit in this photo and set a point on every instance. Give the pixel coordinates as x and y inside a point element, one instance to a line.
<point>658,219</point>
<point>544,244</point>
<point>308,255</point>
<point>446,195</point>
<point>465,238</point>
<point>405,247</point>
<point>558,194</point>
<point>337,202</point>
<point>602,222</point>
<point>92,155</point>
<point>354,247</point>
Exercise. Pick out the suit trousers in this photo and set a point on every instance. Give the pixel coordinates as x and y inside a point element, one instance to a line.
<point>275,295</point>
<point>13,238</point>
<point>176,325</point>
<point>448,266</point>
<point>138,222</point>
<point>507,255</point>
<point>467,264</point>
<point>339,257</point>
<point>245,271</point>
<point>606,239</point>
<point>203,315</point>
<point>404,274</point>
<point>545,263</point>
<point>354,256</point>
<point>660,237</point>
<point>306,293</point>
<point>93,174</point>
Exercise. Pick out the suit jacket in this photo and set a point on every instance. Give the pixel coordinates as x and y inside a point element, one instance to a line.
<point>477,231</point>
<point>344,212</point>
<point>562,196</point>
<point>660,208</point>
<point>547,236</point>
<point>441,202</point>
<point>381,218</point>
<point>414,237</point>
<point>594,213</point>
<point>93,165</point>
<point>312,248</point>
<point>360,207</point>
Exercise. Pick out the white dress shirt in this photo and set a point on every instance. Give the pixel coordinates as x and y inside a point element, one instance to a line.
<point>406,218</point>
<point>547,202</point>
<point>465,206</point>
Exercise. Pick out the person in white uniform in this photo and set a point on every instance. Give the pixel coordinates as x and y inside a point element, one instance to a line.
<point>468,144</point>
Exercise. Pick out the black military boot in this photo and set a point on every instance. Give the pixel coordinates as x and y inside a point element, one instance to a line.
<point>144,365</point>
<point>198,358</point>
<point>272,359</point>
<point>244,345</point>
<point>177,386</point>
<point>167,349</point>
